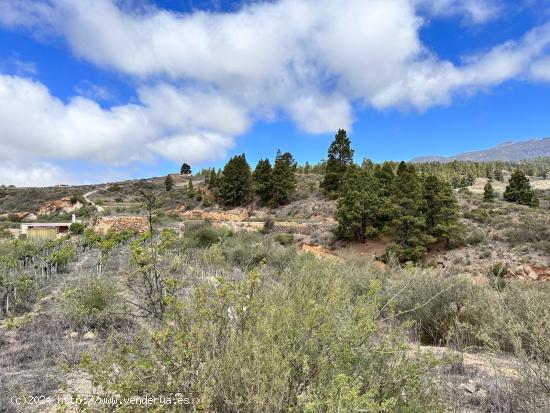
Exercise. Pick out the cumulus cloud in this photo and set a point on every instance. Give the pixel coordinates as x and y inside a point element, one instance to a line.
<point>33,123</point>
<point>32,173</point>
<point>203,78</point>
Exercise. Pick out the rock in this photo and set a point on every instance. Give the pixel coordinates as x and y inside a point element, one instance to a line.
<point>234,215</point>
<point>73,334</point>
<point>63,204</point>
<point>89,336</point>
<point>531,272</point>
<point>121,223</point>
<point>318,251</point>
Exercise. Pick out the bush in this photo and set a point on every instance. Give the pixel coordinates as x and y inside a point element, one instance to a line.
<point>475,237</point>
<point>77,228</point>
<point>203,236</point>
<point>95,305</point>
<point>284,239</point>
<point>308,343</point>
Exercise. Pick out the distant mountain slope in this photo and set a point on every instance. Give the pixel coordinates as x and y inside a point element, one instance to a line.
<point>507,151</point>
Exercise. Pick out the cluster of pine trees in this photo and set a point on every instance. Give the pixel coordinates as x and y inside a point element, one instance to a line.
<point>392,199</point>
<point>237,184</point>
<point>412,203</point>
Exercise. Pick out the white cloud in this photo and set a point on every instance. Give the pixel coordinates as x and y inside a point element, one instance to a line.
<point>92,91</point>
<point>312,60</point>
<point>476,11</point>
<point>317,114</point>
<point>33,123</point>
<point>540,70</point>
<point>204,147</point>
<point>31,174</point>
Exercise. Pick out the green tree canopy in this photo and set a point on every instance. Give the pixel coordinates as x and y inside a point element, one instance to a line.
<point>408,220</point>
<point>236,181</point>
<point>358,205</point>
<point>185,169</point>
<point>284,178</point>
<point>263,180</point>
<point>340,158</point>
<point>519,190</point>
<point>168,183</point>
<point>488,192</point>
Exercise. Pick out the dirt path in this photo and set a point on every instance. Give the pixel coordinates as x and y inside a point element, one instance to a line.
<point>99,208</point>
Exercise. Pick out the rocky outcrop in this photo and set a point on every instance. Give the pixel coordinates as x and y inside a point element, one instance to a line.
<point>233,215</point>
<point>59,205</point>
<point>26,216</point>
<point>531,272</point>
<point>318,251</point>
<point>121,223</point>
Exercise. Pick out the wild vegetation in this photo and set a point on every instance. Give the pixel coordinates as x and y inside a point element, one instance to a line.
<point>290,309</point>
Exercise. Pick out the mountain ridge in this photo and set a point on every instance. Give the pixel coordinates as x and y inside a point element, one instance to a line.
<point>505,151</point>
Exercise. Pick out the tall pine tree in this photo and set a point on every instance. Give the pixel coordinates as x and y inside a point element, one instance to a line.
<point>408,220</point>
<point>358,205</point>
<point>284,179</point>
<point>340,158</point>
<point>236,181</point>
<point>263,180</point>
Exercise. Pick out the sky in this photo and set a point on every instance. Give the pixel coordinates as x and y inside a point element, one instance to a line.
<point>105,90</point>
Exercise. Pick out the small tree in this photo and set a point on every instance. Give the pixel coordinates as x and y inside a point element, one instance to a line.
<point>263,180</point>
<point>488,192</point>
<point>212,179</point>
<point>519,190</point>
<point>236,181</point>
<point>340,158</point>
<point>185,169</point>
<point>190,189</point>
<point>168,183</point>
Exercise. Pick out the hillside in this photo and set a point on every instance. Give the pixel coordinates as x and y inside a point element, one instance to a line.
<point>506,151</point>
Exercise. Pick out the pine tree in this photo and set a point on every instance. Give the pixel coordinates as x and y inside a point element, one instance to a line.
<point>385,176</point>
<point>358,205</point>
<point>190,189</point>
<point>263,180</point>
<point>307,168</point>
<point>212,179</point>
<point>235,181</point>
<point>432,188</point>
<point>519,190</point>
<point>185,169</point>
<point>168,183</point>
<point>488,192</point>
<point>284,179</point>
<point>489,173</point>
<point>446,214</point>
<point>499,176</point>
<point>340,158</point>
<point>407,214</point>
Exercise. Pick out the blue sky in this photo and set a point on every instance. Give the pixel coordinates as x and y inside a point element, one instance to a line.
<point>104,90</point>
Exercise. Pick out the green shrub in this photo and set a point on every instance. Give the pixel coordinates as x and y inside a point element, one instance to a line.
<point>205,235</point>
<point>77,228</point>
<point>284,239</point>
<point>307,343</point>
<point>475,237</point>
<point>95,305</point>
